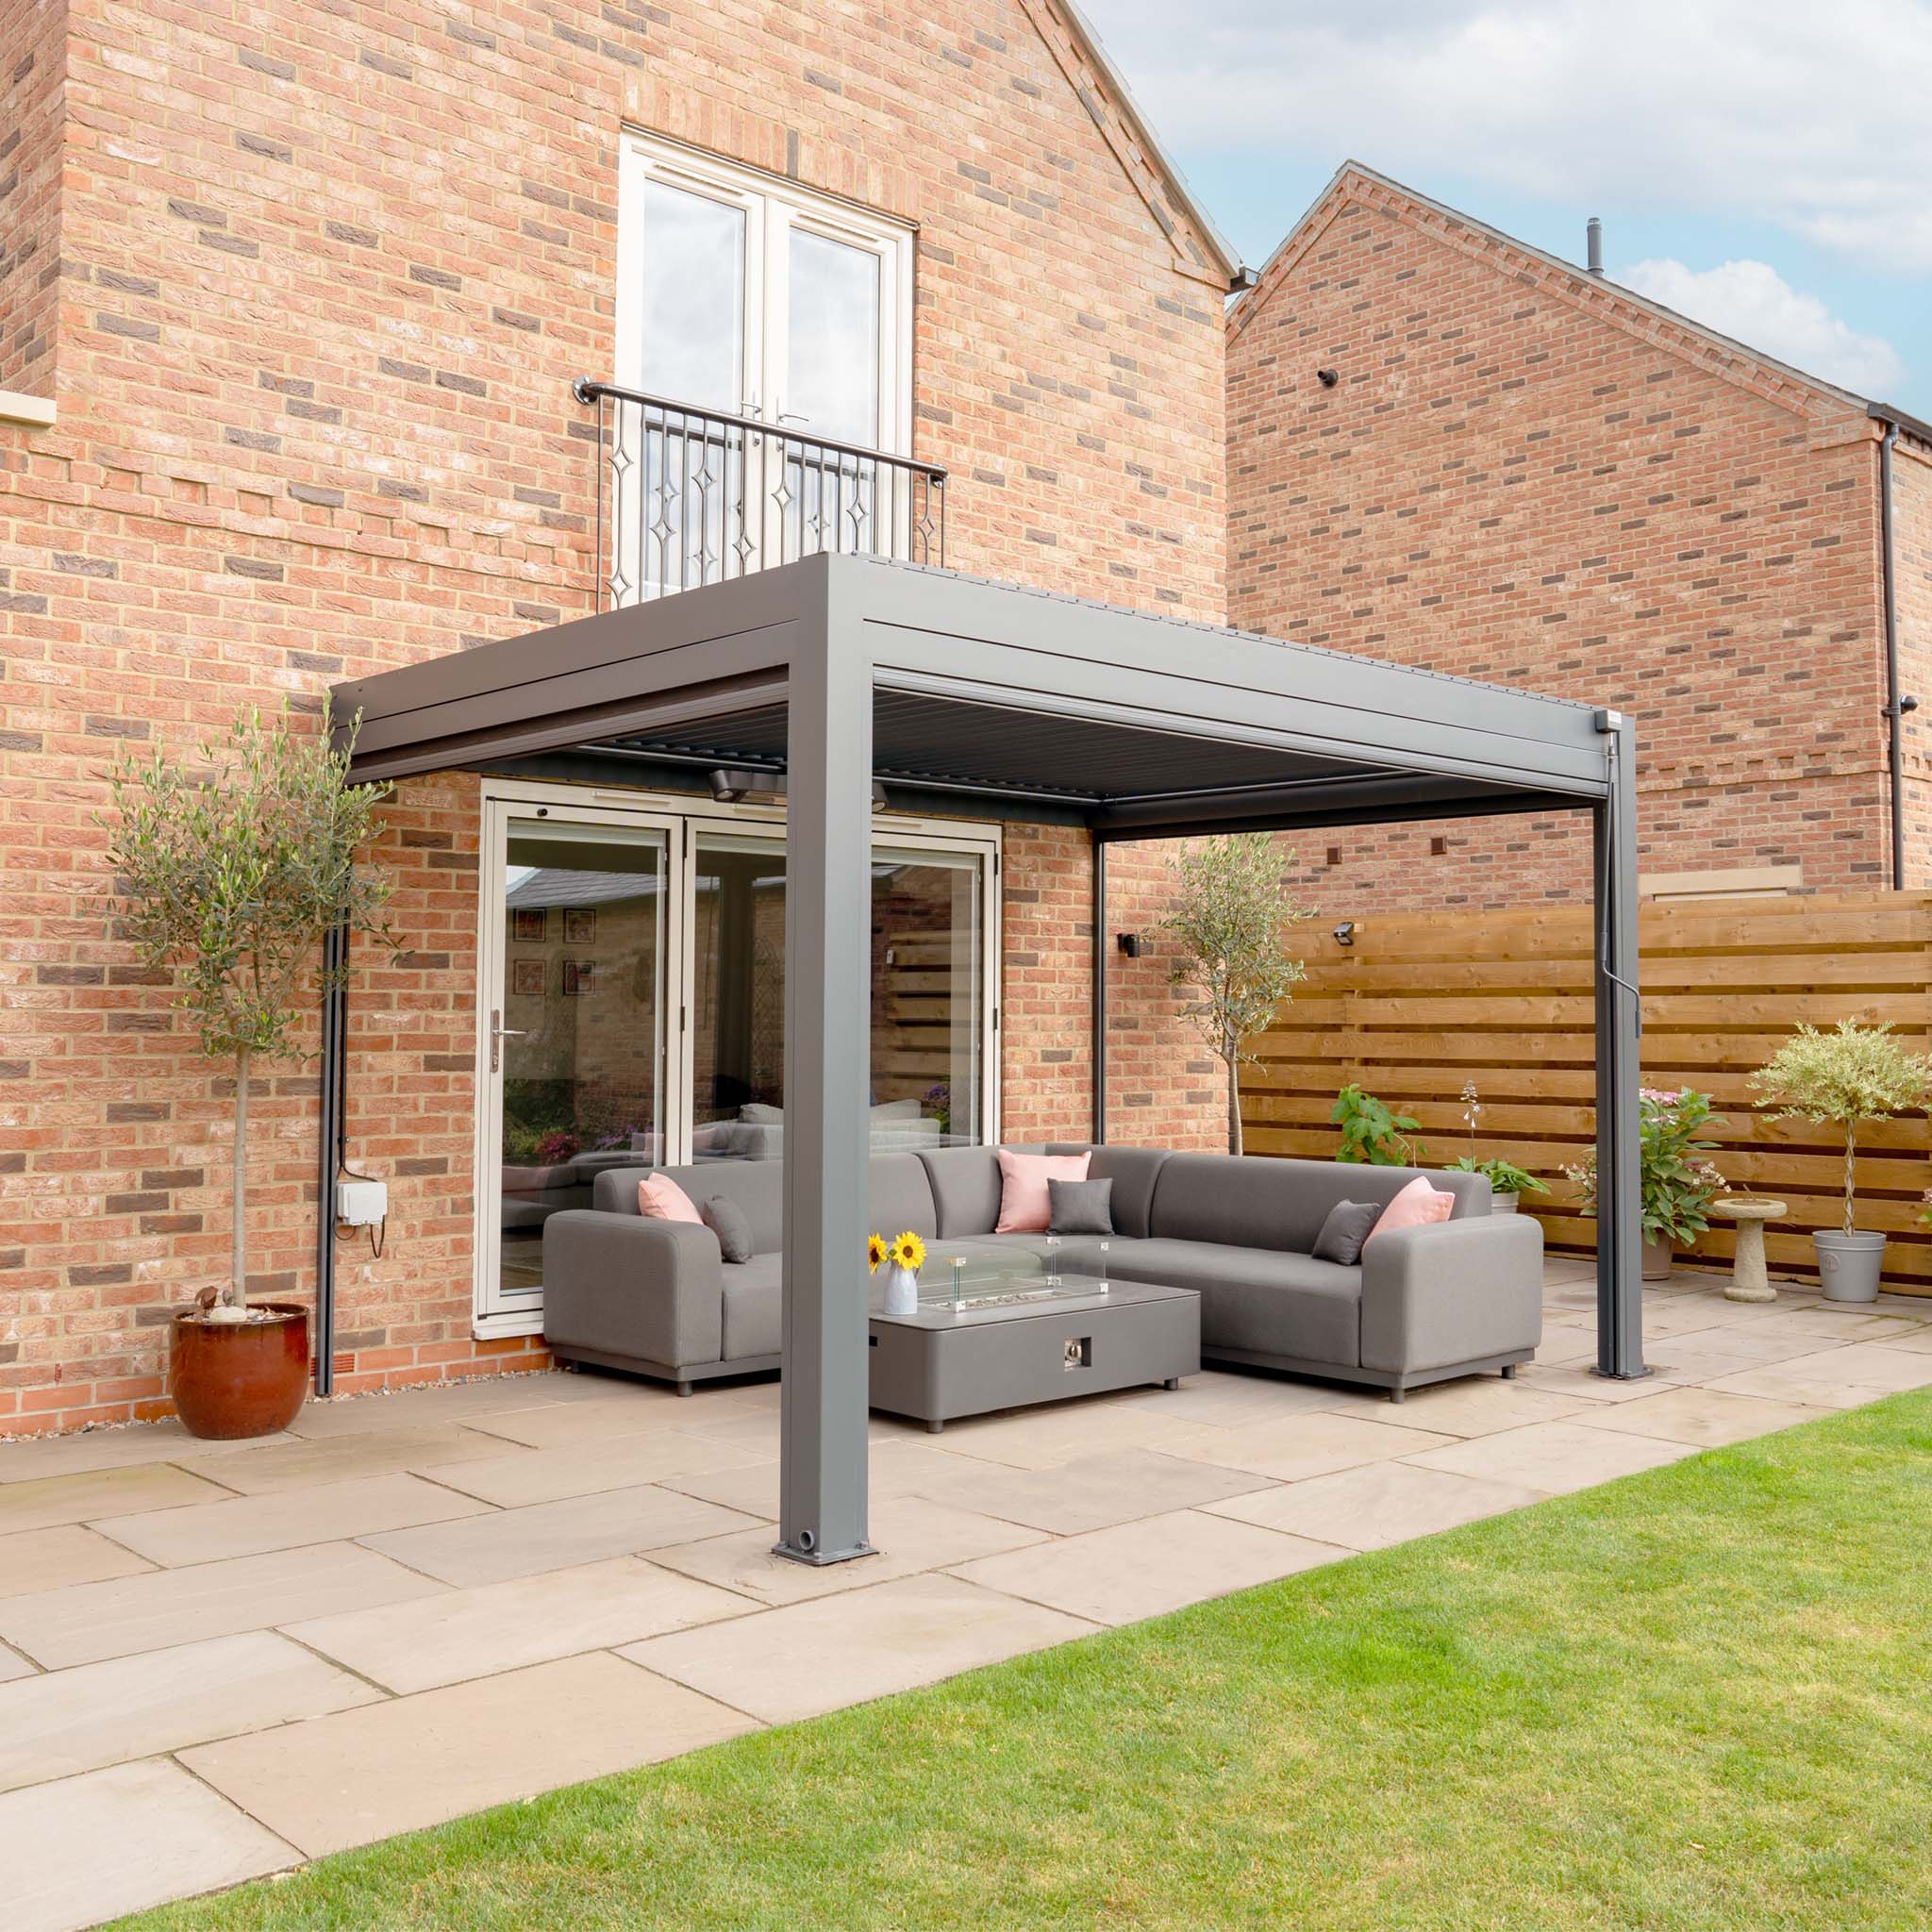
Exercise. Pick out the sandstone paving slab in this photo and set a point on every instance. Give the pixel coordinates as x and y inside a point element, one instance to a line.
<point>1706,1418</point>
<point>902,1466</point>
<point>411,1761</point>
<point>804,1658</point>
<point>646,1408</point>
<point>24,1458</point>
<point>1376,1505</point>
<point>583,1469</point>
<point>296,1462</point>
<point>251,1526</point>
<point>1091,1492</point>
<point>1135,1570</point>
<point>552,1536</point>
<point>160,1608</point>
<point>62,1722</point>
<point>1577,1380</point>
<point>1304,1445</point>
<point>1555,1457</point>
<point>911,1535</point>
<point>1471,1406</point>
<point>1065,1432</point>
<point>52,1559</point>
<point>44,1502</point>
<point>91,1848</point>
<point>375,1414</point>
<point>14,1665</point>
<point>1835,1377</point>
<point>1221,1399</point>
<point>494,1627</point>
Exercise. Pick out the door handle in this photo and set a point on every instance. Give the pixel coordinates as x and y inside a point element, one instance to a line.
<point>498,1033</point>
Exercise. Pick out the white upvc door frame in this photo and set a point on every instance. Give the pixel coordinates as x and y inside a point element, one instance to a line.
<point>681,818</point>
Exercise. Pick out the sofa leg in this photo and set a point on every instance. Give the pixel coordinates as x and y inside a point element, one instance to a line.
<point>1509,1371</point>
<point>933,1428</point>
<point>684,1388</point>
<point>1172,1382</point>
<point>1395,1394</point>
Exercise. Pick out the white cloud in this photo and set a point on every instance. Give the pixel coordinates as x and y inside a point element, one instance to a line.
<point>1752,303</point>
<point>1781,110</point>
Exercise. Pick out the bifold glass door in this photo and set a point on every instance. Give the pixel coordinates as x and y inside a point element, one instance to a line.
<point>632,1009</point>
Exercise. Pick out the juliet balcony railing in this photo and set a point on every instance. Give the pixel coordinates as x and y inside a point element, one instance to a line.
<point>688,496</point>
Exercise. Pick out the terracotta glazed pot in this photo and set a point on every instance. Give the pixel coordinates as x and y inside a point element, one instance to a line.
<point>231,1379</point>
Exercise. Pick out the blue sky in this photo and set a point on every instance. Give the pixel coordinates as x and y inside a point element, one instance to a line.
<point>1747,167</point>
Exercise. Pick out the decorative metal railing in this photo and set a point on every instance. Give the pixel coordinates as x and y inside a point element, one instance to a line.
<point>688,496</point>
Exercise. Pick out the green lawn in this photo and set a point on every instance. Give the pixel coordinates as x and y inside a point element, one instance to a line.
<point>1697,1698</point>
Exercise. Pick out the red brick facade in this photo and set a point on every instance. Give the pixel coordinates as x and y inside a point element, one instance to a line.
<point>1522,475</point>
<point>325,277</point>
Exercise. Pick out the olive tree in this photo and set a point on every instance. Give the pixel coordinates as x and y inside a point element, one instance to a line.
<point>228,877</point>
<point>1228,919</point>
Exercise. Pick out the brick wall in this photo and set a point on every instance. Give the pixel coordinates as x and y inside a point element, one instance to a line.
<point>33,36</point>
<point>1911,498</point>
<point>327,275</point>
<point>1520,476</point>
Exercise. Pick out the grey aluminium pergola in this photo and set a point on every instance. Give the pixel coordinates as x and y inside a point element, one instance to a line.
<point>841,672</point>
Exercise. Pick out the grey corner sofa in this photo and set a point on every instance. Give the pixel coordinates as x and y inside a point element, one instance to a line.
<point>1463,1295</point>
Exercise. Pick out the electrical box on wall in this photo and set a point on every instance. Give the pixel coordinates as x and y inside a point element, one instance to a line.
<point>362,1203</point>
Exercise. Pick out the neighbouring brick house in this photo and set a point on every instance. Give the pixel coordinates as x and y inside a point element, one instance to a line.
<point>1517,471</point>
<point>291,299</point>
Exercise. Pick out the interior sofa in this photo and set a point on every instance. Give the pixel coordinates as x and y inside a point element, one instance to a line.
<point>1463,1295</point>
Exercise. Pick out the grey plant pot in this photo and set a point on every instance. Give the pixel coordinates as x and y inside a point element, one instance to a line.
<point>1850,1265</point>
<point>1504,1204</point>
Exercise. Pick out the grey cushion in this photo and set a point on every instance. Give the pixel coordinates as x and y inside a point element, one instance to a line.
<point>965,1184</point>
<point>728,1220</point>
<point>1079,1206</point>
<point>1133,1172</point>
<point>1260,1302</point>
<point>1348,1225</point>
<point>901,1196</point>
<point>753,1309</point>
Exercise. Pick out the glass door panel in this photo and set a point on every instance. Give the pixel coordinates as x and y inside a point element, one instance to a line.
<point>831,389</point>
<point>928,998</point>
<point>577,1039</point>
<point>738,997</point>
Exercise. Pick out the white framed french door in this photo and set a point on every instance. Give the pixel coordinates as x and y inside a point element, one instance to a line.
<point>630,1001</point>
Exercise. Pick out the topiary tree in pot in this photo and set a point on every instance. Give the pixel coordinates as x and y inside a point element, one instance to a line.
<point>1229,916</point>
<point>229,879</point>
<point>1843,1079</point>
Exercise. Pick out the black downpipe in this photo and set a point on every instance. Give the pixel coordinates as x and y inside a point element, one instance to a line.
<point>1894,709</point>
<point>1099,991</point>
<point>332,1148</point>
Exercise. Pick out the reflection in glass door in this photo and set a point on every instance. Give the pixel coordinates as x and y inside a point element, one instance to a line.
<point>738,997</point>
<point>576,1038</point>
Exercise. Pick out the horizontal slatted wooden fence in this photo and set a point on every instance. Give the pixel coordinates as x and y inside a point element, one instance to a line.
<point>1418,1005</point>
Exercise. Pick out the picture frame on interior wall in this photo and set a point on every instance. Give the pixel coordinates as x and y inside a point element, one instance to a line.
<point>527,976</point>
<point>580,925</point>
<point>531,925</point>
<point>579,978</point>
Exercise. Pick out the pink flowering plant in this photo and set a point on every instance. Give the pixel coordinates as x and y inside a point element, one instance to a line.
<point>1678,1181</point>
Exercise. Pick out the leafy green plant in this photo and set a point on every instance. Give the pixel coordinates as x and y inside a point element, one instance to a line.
<point>1230,910</point>
<point>1843,1078</point>
<point>1677,1183</point>
<point>229,879</point>
<point>1373,1133</point>
<point>1505,1177</point>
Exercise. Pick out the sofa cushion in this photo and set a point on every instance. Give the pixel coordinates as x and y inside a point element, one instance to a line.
<point>1419,1204</point>
<point>1252,1299</point>
<point>1256,1202</point>
<point>753,1309</point>
<point>1348,1225</point>
<point>660,1198</point>
<point>1022,1187</point>
<point>901,1197</point>
<point>1079,1206</point>
<point>729,1222</point>
<point>965,1188</point>
<point>1133,1172</point>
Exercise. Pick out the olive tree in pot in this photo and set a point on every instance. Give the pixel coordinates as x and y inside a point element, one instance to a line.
<point>1841,1079</point>
<point>1231,910</point>
<point>229,879</point>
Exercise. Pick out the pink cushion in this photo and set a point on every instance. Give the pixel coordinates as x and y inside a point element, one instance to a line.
<point>1024,1205</point>
<point>1418,1206</point>
<point>663,1199</point>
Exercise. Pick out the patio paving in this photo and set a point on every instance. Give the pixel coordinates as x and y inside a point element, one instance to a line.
<point>218,1660</point>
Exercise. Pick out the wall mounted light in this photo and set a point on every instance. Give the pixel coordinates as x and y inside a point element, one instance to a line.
<point>1130,942</point>
<point>1345,933</point>
<point>1327,377</point>
<point>733,787</point>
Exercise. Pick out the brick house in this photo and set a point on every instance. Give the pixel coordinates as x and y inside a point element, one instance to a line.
<point>1451,449</point>
<point>291,301</point>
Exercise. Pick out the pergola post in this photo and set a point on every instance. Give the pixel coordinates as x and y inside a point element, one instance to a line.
<point>1619,1023</point>
<point>823,1409</point>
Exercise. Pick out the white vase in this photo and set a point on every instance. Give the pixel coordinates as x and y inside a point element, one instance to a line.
<point>901,1292</point>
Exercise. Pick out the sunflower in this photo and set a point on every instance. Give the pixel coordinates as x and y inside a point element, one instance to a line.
<point>874,1252</point>
<point>909,1251</point>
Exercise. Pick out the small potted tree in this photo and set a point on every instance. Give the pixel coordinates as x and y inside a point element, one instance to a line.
<point>1841,1079</point>
<point>1231,908</point>
<point>229,879</point>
